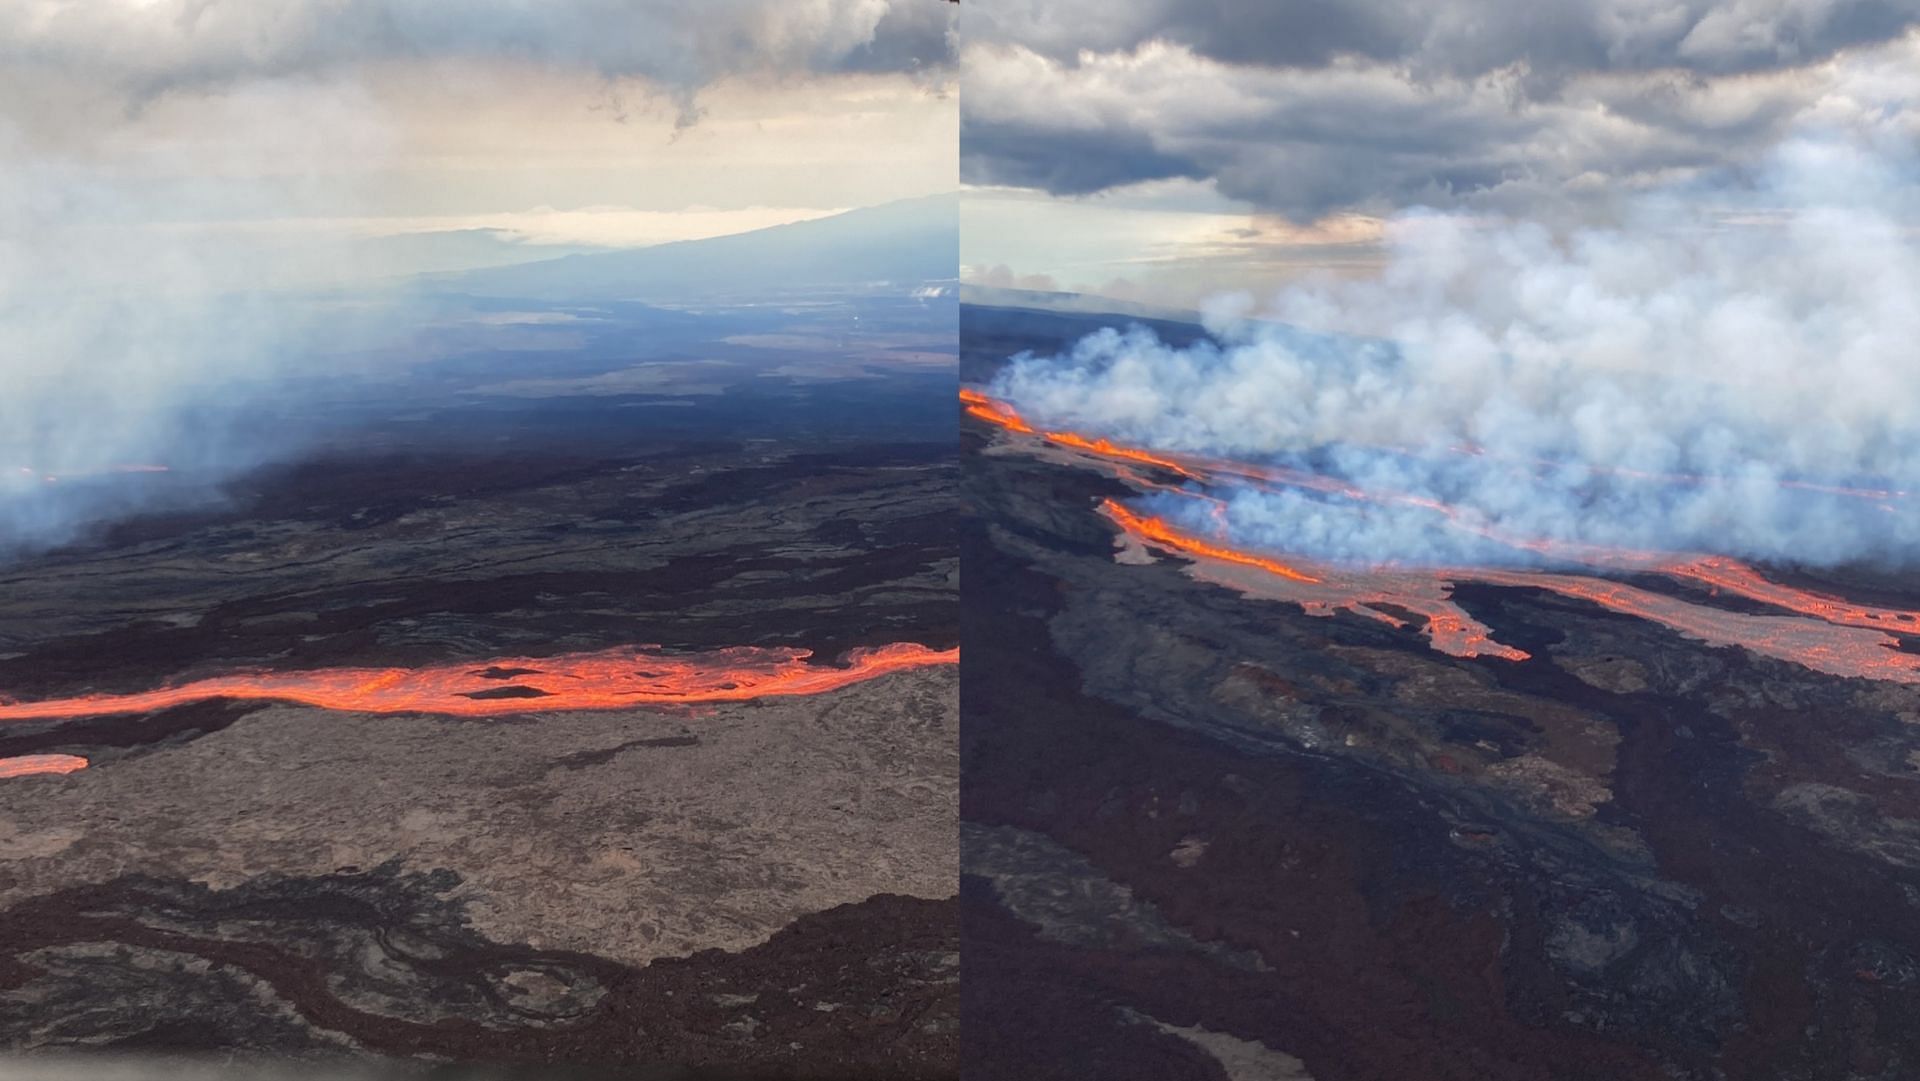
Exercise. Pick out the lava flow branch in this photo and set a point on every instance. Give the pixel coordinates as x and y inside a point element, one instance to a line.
<point>1825,633</point>
<point>27,765</point>
<point>614,679</point>
<point>1157,531</point>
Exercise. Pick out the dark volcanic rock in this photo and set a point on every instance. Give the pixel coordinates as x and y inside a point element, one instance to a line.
<point>506,692</point>
<point>383,961</point>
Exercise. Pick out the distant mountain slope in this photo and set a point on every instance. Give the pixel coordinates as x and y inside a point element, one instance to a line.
<point>1053,301</point>
<point>902,244</point>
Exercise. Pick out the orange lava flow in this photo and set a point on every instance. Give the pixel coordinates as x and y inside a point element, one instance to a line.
<point>1381,594</point>
<point>991,411</point>
<point>1000,414</point>
<point>1721,573</point>
<point>1808,639</point>
<point>27,765</point>
<point>1157,531</point>
<point>1822,632</point>
<point>1107,449</point>
<point>1375,595</point>
<point>614,679</point>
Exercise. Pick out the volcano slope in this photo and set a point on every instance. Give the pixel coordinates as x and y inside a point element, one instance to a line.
<point>1222,823</point>
<point>510,729</point>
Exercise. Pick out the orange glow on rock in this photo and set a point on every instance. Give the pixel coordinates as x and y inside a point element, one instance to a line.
<point>614,679</point>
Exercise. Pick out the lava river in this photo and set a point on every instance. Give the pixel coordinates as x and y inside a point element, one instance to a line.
<point>613,679</point>
<point>1821,632</point>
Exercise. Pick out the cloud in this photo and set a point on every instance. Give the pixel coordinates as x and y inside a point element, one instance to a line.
<point>1305,109</point>
<point>1002,276</point>
<point>1065,161</point>
<point>146,49</point>
<point>1462,38</point>
<point>125,346</point>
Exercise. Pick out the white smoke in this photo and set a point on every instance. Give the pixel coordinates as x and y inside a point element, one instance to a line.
<point>136,331</point>
<point>130,340</point>
<point>1765,341</point>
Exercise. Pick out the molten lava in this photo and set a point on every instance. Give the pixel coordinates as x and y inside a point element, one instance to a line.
<point>1157,531</point>
<point>27,765</point>
<point>1826,633</point>
<point>1107,449</point>
<point>615,679</point>
<point>1375,595</point>
<point>1721,574</point>
<point>1002,415</point>
<point>996,413</point>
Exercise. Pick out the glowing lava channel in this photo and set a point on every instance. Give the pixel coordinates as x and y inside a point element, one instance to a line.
<point>1375,595</point>
<point>615,679</point>
<point>1824,633</point>
<point>28,765</point>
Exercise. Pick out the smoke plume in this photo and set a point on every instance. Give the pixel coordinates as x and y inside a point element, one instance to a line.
<point>136,356</point>
<point>1706,374</point>
<point>138,331</point>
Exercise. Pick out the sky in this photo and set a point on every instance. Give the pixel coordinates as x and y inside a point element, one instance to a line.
<point>1164,151</point>
<point>303,135</point>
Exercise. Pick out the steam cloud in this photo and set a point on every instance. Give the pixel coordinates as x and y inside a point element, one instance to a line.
<point>130,338</point>
<point>126,345</point>
<point>1765,346</point>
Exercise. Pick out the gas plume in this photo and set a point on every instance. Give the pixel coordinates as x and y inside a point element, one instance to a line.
<point>136,355</point>
<point>1717,371</point>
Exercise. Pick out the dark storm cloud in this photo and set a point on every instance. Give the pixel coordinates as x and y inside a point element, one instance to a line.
<point>1551,38</point>
<point>1070,163</point>
<point>913,36</point>
<point>1308,107</point>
